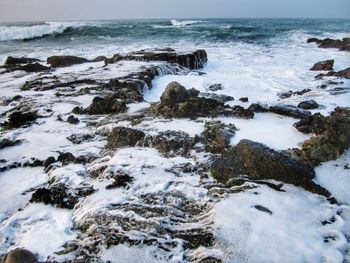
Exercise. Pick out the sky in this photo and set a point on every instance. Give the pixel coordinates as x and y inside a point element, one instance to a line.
<point>50,10</point>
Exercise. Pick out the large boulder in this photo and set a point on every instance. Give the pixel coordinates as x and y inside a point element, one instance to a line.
<point>65,61</point>
<point>174,93</point>
<point>323,65</point>
<point>107,105</point>
<point>122,136</point>
<point>332,136</point>
<point>20,255</point>
<point>258,162</point>
<point>308,105</point>
<point>12,61</point>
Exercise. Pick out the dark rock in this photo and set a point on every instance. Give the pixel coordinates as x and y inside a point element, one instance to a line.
<point>194,60</point>
<point>80,138</point>
<point>240,112</point>
<point>308,105</point>
<point>8,143</point>
<point>66,158</point>
<point>174,93</point>
<point>50,160</point>
<point>218,97</point>
<point>120,180</point>
<point>323,65</point>
<point>255,107</point>
<point>244,99</point>
<point>193,92</point>
<point>107,105</point>
<point>126,89</point>
<point>72,120</point>
<point>20,116</point>
<point>122,136</point>
<point>343,44</point>
<point>343,73</point>
<point>12,61</point>
<point>217,136</point>
<point>99,59</point>
<point>259,162</point>
<point>290,93</point>
<point>290,111</point>
<point>263,209</point>
<point>65,61</point>
<point>20,255</point>
<point>332,136</point>
<point>170,143</point>
<point>215,87</point>
<point>35,67</point>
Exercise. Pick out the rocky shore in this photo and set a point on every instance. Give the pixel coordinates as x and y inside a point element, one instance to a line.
<point>120,171</point>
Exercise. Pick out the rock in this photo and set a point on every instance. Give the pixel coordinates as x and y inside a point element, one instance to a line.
<point>107,105</point>
<point>12,61</point>
<point>99,59</point>
<point>290,111</point>
<point>122,136</point>
<point>120,180</point>
<point>217,136</point>
<point>255,107</point>
<point>308,105</point>
<point>8,143</point>
<point>218,97</point>
<point>126,89</point>
<point>240,112</point>
<point>20,116</point>
<point>80,138</point>
<point>174,93</point>
<point>244,99</point>
<point>193,92</point>
<point>35,67</point>
<point>50,160</point>
<point>263,209</point>
<point>323,65</point>
<point>20,255</point>
<point>66,158</point>
<point>170,143</point>
<point>194,60</point>
<point>65,61</point>
<point>290,93</point>
<point>215,87</point>
<point>259,162</point>
<point>343,44</point>
<point>72,120</point>
<point>332,136</point>
<point>343,73</point>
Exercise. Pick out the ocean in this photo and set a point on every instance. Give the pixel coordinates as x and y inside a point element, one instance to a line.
<point>67,194</point>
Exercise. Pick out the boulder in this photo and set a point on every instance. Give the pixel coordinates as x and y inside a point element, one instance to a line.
<point>65,61</point>
<point>4,143</point>
<point>290,111</point>
<point>258,162</point>
<point>20,255</point>
<point>107,105</point>
<point>255,107</point>
<point>218,97</point>
<point>217,136</point>
<point>308,105</point>
<point>127,89</point>
<point>122,136</point>
<point>332,136</point>
<point>20,116</point>
<point>174,93</point>
<point>193,92</point>
<point>215,87</point>
<point>323,65</point>
<point>244,99</point>
<point>345,73</point>
<point>12,61</point>
<point>73,120</point>
<point>120,180</point>
<point>343,44</point>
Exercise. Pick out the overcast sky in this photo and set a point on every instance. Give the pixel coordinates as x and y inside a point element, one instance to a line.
<point>47,10</point>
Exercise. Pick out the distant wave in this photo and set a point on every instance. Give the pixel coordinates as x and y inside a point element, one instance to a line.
<point>184,22</point>
<point>24,32</point>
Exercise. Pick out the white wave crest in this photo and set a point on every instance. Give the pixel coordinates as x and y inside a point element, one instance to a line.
<point>184,22</point>
<point>18,32</point>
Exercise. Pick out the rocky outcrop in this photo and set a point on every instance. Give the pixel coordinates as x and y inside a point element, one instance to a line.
<point>194,60</point>
<point>323,65</point>
<point>4,143</point>
<point>122,136</point>
<point>65,61</point>
<point>289,111</point>
<point>332,136</point>
<point>177,102</point>
<point>12,61</point>
<point>343,44</point>
<point>107,105</point>
<point>217,136</point>
<point>171,143</point>
<point>308,105</point>
<point>258,162</point>
<point>19,255</point>
<point>126,89</point>
<point>345,73</point>
<point>20,116</point>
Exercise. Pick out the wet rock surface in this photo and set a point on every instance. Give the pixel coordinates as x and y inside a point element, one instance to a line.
<point>258,162</point>
<point>323,65</point>
<point>217,136</point>
<point>341,44</point>
<point>290,111</point>
<point>65,61</point>
<point>107,105</point>
<point>19,255</point>
<point>122,136</point>
<point>308,105</point>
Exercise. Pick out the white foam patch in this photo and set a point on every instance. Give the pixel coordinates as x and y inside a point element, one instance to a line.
<point>13,186</point>
<point>39,228</point>
<point>293,231</point>
<point>273,130</point>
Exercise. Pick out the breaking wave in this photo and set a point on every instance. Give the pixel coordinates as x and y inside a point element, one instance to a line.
<point>184,22</point>
<point>25,31</point>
